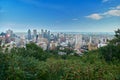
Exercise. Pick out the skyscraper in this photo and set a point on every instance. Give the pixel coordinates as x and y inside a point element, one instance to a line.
<point>78,41</point>
<point>34,33</point>
<point>34,36</point>
<point>9,33</point>
<point>45,34</point>
<point>48,35</point>
<point>29,35</point>
<point>42,33</point>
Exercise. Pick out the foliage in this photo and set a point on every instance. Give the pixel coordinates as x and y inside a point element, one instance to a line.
<point>4,60</point>
<point>110,52</point>
<point>16,66</point>
<point>20,68</point>
<point>116,40</point>
<point>117,34</point>
<point>31,50</point>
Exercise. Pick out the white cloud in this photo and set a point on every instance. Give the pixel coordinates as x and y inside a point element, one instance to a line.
<point>95,16</point>
<point>112,12</point>
<point>118,7</point>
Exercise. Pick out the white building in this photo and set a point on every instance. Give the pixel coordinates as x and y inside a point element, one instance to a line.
<point>101,45</point>
<point>78,41</point>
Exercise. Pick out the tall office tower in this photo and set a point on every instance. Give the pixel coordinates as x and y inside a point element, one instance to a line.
<point>78,41</point>
<point>9,33</point>
<point>37,38</point>
<point>42,33</point>
<point>9,36</point>
<point>48,35</point>
<point>34,33</point>
<point>29,35</point>
<point>52,37</point>
<point>45,34</point>
<point>90,40</point>
<point>57,35</point>
<point>34,37</point>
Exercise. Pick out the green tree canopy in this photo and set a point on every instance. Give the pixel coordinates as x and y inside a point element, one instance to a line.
<point>116,40</point>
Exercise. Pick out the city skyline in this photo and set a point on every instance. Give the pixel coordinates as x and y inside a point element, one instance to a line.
<point>60,15</point>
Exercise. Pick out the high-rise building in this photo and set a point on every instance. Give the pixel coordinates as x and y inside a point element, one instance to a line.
<point>42,33</point>
<point>48,35</point>
<point>29,35</point>
<point>90,40</point>
<point>45,34</point>
<point>34,33</point>
<point>9,33</point>
<point>35,36</point>
<point>78,41</point>
<point>52,45</point>
<point>52,37</point>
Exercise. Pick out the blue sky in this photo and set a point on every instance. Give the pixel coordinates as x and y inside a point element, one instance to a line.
<point>60,15</point>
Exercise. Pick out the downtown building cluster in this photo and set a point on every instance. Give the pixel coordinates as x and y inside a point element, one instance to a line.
<point>52,41</point>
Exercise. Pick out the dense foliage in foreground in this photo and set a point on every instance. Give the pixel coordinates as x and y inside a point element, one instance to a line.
<point>32,63</point>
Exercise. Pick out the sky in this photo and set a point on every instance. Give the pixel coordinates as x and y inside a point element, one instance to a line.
<point>60,15</point>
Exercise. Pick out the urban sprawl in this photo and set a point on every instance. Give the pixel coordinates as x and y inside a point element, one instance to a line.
<point>79,42</point>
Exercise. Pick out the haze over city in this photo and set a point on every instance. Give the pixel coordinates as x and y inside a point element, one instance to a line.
<point>60,15</point>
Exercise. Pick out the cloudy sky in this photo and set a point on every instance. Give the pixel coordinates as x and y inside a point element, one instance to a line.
<point>60,15</point>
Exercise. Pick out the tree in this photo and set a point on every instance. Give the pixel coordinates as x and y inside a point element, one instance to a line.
<point>35,51</point>
<point>0,42</point>
<point>117,34</point>
<point>112,50</point>
<point>116,40</point>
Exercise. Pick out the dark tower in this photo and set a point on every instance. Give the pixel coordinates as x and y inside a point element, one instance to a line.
<point>29,34</point>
